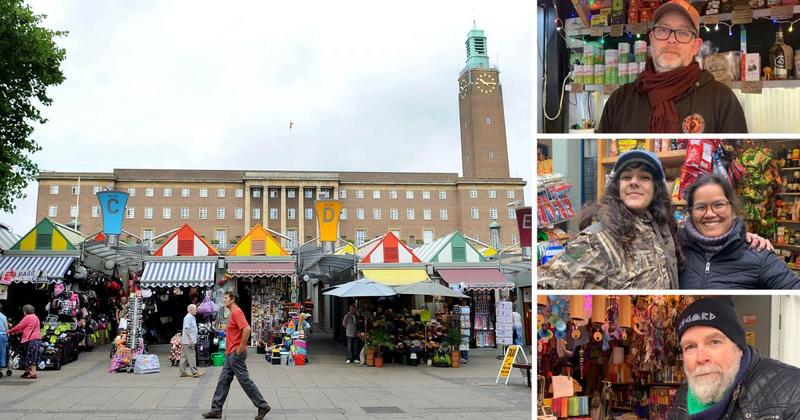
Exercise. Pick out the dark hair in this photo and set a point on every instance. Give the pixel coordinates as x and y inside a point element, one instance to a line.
<point>712,179</point>
<point>620,220</point>
<point>233,295</point>
<point>1,307</point>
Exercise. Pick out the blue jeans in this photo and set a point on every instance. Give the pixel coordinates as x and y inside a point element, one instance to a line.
<point>518,335</point>
<point>353,352</point>
<point>235,366</point>
<point>3,350</point>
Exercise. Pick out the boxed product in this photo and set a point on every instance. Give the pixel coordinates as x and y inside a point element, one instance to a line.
<point>724,66</point>
<point>752,67</point>
<point>599,19</point>
<point>618,12</point>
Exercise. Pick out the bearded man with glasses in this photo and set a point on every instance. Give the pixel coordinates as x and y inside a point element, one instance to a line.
<point>673,94</point>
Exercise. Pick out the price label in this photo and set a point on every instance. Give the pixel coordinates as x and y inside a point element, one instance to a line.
<point>710,19</point>
<point>598,31</point>
<point>742,17</point>
<point>609,89</point>
<point>576,88</point>
<point>640,28</point>
<point>752,87</point>
<point>781,12</point>
<point>617,30</point>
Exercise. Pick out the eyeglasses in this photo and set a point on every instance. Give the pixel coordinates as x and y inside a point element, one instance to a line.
<point>681,35</point>
<point>717,207</point>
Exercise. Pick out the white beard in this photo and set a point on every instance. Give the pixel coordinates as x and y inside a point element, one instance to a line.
<point>711,388</point>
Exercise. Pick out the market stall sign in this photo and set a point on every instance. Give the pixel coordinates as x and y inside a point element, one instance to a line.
<point>742,17</point>
<point>749,319</point>
<point>752,87</point>
<point>576,88</point>
<point>598,31</point>
<point>710,20</point>
<point>640,28</point>
<point>609,89</point>
<point>781,12</point>
<point>512,352</point>
<point>617,30</point>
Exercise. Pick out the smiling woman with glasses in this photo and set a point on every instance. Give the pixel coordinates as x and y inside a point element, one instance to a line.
<point>715,244</point>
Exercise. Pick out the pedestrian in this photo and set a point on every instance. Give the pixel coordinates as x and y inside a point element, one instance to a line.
<point>31,340</point>
<point>236,337</point>
<point>350,325</point>
<point>673,94</point>
<point>3,339</point>
<point>188,341</point>
<point>518,328</point>
<point>714,244</point>
<point>726,378</point>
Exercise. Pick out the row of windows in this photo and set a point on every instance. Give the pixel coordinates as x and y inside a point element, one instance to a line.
<point>426,195</point>
<point>394,214</point>
<point>150,192</point>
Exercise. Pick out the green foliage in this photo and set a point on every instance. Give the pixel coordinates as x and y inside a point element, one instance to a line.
<point>381,340</point>
<point>453,338</point>
<point>30,62</point>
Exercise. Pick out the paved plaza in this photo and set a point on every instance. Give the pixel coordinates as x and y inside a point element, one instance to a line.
<point>324,389</point>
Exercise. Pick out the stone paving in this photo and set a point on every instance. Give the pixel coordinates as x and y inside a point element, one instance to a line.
<point>325,389</point>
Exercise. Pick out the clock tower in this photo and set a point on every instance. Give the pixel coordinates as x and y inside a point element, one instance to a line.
<point>484,152</point>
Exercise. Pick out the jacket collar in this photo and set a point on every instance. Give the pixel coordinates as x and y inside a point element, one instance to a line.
<point>732,250</point>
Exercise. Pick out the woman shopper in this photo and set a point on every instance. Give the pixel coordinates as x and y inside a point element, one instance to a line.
<point>28,328</point>
<point>714,245</point>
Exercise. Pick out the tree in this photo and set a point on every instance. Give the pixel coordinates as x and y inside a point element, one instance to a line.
<point>30,62</point>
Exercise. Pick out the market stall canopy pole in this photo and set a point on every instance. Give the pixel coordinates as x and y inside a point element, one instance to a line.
<point>361,288</point>
<point>428,288</point>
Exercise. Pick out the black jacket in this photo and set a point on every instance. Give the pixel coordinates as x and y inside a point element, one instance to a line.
<point>628,111</point>
<point>734,267</point>
<point>769,390</point>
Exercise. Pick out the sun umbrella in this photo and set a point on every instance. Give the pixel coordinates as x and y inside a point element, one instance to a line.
<point>361,288</point>
<point>428,288</point>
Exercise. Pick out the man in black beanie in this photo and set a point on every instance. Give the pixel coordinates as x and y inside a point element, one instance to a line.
<point>726,378</point>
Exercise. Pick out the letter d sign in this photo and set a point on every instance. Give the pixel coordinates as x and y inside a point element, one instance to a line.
<point>328,219</point>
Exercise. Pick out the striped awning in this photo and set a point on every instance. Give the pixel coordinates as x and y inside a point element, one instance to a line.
<point>33,269</point>
<point>256,269</point>
<point>476,278</point>
<point>178,273</point>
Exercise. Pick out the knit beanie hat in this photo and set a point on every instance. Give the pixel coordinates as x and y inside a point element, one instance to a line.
<point>714,312</point>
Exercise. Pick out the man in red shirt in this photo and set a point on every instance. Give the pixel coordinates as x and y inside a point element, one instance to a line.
<point>237,336</point>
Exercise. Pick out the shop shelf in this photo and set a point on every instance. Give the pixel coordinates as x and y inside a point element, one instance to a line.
<point>794,267</point>
<point>790,169</point>
<point>787,221</point>
<point>787,194</point>
<point>786,246</point>
<point>766,84</point>
<point>668,158</point>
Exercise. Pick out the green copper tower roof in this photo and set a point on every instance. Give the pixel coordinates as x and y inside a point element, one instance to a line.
<point>477,54</point>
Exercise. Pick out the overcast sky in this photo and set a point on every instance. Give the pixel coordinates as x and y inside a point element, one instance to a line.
<point>210,85</point>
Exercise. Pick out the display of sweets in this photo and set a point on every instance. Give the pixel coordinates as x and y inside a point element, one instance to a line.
<point>599,74</point>
<point>640,51</point>
<point>612,69</point>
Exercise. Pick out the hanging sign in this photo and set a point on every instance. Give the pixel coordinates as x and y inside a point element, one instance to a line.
<point>781,12</point>
<point>112,205</point>
<point>710,20</point>
<point>742,17</point>
<point>640,28</point>
<point>525,226</point>
<point>328,219</point>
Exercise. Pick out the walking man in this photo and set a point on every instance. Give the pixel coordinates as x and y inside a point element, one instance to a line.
<point>188,341</point>
<point>3,339</point>
<point>350,330</point>
<point>237,336</point>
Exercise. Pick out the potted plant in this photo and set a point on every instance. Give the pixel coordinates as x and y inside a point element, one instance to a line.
<point>453,339</point>
<point>382,341</point>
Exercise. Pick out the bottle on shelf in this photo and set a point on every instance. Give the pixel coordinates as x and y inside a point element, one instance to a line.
<point>780,57</point>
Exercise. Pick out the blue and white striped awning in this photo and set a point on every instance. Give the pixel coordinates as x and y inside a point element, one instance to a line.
<point>33,269</point>
<point>178,273</point>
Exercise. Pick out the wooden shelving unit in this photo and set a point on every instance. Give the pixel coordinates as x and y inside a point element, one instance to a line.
<point>605,162</point>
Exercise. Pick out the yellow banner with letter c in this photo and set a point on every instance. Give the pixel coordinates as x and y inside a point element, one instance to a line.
<point>328,212</point>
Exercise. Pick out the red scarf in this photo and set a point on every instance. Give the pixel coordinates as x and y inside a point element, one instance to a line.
<point>662,89</point>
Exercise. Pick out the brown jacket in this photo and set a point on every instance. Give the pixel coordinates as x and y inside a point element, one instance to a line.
<point>719,111</point>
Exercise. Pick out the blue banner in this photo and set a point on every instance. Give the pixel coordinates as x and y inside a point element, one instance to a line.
<point>112,204</point>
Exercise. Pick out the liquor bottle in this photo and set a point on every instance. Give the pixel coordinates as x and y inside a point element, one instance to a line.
<point>778,58</point>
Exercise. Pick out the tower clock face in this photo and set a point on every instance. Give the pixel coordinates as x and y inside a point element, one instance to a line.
<point>486,82</point>
<point>462,88</point>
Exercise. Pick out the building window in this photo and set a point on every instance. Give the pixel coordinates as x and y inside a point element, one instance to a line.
<point>220,236</point>
<point>203,213</point>
<point>488,120</point>
<point>326,193</point>
<point>442,195</point>
<point>149,192</point>
<point>410,195</point>
<point>426,214</point>
<point>343,214</point>
<point>495,234</point>
<point>492,193</point>
<point>221,193</point>
<point>309,213</point>
<point>291,213</point>
<point>96,189</point>
<point>427,236</point>
<point>376,194</point>
<point>492,213</point>
<point>256,213</point>
<point>394,214</point>
<point>361,236</point>
<point>147,237</point>
<point>166,213</point>
<point>473,193</point>
<point>52,211</point>
<point>474,213</point>
<point>512,213</point>
<point>376,214</point>
<point>95,211</point>
<point>410,214</point>
<point>514,238</point>
<point>393,194</point>
<point>273,213</point>
<point>130,212</point>
<point>54,190</point>
<point>292,243</point>
<point>73,211</point>
<point>443,214</point>
<point>185,192</point>
<point>76,190</point>
<point>291,193</point>
<point>148,213</point>
<point>491,155</point>
<point>167,192</point>
<point>510,194</point>
<point>256,193</point>
<point>309,193</point>
<point>220,213</point>
<point>203,192</point>
<point>132,192</point>
<point>342,193</point>
<point>426,195</point>
<point>239,192</point>
<point>238,213</point>
<point>359,193</point>
<point>359,214</point>
<point>184,213</point>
